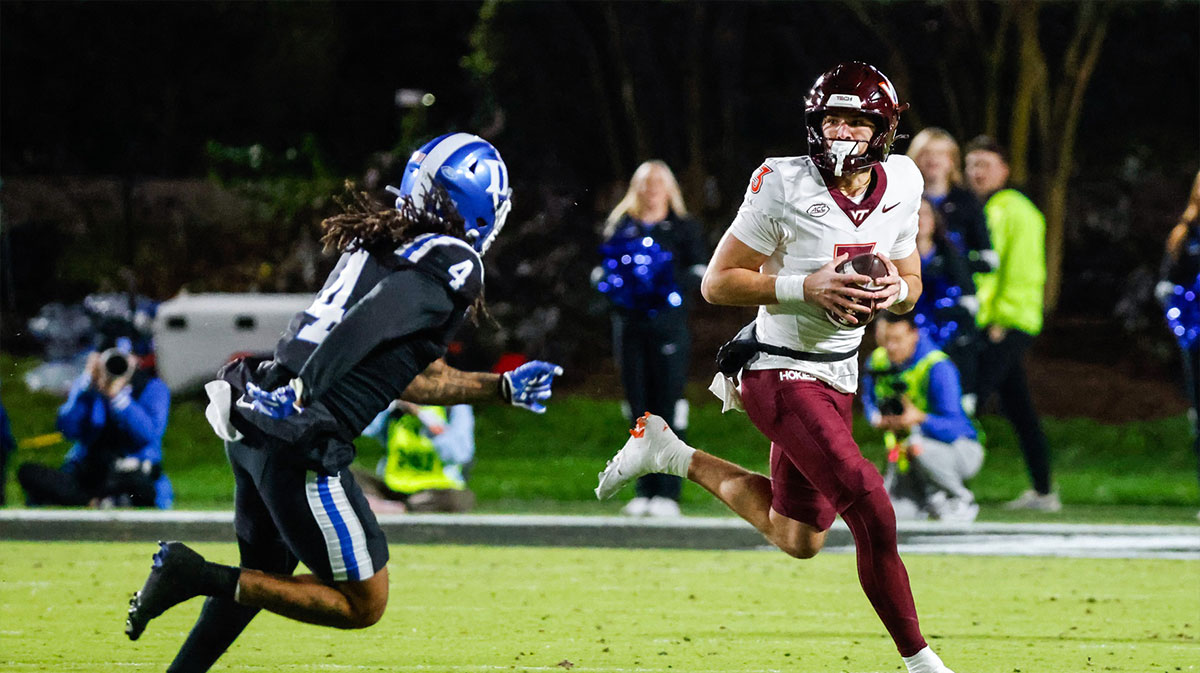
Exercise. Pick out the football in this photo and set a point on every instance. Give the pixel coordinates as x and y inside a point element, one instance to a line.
<point>867,264</point>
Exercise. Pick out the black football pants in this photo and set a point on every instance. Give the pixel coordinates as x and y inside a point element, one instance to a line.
<point>1191,379</point>
<point>652,356</point>
<point>1002,371</point>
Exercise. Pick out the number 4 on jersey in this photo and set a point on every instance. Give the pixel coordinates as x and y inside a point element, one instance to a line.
<point>329,306</point>
<point>460,272</point>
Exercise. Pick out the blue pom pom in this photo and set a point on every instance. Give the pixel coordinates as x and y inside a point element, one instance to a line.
<point>641,275</point>
<point>1183,313</point>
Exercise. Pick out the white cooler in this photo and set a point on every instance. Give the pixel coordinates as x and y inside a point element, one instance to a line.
<point>194,334</point>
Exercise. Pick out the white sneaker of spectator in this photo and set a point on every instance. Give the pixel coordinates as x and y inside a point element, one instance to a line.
<point>663,507</point>
<point>908,509</point>
<point>639,506</point>
<point>1031,499</point>
<point>953,510</point>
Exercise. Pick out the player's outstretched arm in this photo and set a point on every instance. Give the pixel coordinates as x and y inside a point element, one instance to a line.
<point>526,386</point>
<point>444,385</point>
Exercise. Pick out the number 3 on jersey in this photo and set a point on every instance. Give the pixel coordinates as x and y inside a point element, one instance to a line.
<point>330,305</point>
<point>459,273</point>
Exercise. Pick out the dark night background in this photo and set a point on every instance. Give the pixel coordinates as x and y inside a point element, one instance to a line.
<point>197,144</point>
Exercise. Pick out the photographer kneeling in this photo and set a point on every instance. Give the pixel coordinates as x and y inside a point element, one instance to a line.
<point>116,414</point>
<point>911,390</point>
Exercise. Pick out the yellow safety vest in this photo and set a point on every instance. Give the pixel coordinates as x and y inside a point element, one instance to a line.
<point>916,380</point>
<point>916,377</point>
<point>413,464</point>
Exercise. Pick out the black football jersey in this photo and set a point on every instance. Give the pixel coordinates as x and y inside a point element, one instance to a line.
<point>382,317</point>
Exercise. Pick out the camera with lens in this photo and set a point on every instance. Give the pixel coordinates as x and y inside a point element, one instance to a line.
<point>116,362</point>
<point>893,405</point>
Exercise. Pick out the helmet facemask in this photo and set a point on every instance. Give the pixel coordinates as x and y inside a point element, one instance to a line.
<point>852,87</point>
<point>848,155</point>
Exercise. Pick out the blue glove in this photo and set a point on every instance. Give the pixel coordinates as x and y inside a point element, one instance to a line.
<point>528,386</point>
<point>278,403</point>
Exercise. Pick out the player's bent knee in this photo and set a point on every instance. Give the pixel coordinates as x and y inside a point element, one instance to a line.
<point>802,550</point>
<point>367,616</point>
<point>368,600</point>
<point>802,544</point>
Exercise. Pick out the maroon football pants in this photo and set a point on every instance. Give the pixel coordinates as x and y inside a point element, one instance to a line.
<point>817,470</point>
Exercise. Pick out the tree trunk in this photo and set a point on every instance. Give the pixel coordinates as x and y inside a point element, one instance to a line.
<point>603,97</point>
<point>694,111</point>
<point>1092,28</point>
<point>993,59</point>
<point>1031,68</point>
<point>628,86</point>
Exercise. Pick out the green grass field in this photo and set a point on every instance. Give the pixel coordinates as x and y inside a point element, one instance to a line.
<point>489,609</point>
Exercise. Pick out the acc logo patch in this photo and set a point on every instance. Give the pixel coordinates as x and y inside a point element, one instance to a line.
<point>818,209</point>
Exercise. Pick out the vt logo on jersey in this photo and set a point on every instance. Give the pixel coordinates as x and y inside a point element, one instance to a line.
<point>857,215</point>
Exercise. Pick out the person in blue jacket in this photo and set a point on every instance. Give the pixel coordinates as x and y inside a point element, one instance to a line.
<point>116,414</point>
<point>911,390</point>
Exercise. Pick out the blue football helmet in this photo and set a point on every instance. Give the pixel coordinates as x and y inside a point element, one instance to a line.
<point>474,176</point>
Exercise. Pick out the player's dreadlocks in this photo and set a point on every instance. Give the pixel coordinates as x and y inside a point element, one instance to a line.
<point>366,224</point>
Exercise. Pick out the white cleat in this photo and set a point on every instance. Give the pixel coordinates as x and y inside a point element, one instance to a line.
<point>651,448</point>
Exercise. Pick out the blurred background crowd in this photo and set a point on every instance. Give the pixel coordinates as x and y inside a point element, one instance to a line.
<point>196,147</point>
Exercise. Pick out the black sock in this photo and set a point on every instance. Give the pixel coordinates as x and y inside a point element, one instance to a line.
<point>218,581</point>
<point>220,623</point>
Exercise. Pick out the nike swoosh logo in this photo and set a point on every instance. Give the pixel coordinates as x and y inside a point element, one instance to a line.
<point>887,208</point>
<point>243,404</point>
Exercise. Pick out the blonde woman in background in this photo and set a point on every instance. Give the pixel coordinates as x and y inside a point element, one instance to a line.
<point>936,154</point>
<point>655,256</point>
<point>1181,274</point>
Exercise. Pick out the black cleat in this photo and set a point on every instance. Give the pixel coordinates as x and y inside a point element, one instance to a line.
<point>169,584</point>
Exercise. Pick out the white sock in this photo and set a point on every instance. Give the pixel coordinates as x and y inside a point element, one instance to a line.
<point>677,458</point>
<point>925,661</point>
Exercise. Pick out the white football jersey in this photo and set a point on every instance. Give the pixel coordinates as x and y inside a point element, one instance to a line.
<point>790,215</point>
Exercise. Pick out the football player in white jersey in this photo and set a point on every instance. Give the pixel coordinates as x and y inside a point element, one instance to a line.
<point>801,217</point>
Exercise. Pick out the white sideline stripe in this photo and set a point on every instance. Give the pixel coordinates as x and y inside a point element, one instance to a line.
<point>977,539</point>
<point>591,668</point>
<point>588,521</point>
<point>417,667</point>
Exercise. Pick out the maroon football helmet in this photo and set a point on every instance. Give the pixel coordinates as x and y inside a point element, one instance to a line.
<point>862,88</point>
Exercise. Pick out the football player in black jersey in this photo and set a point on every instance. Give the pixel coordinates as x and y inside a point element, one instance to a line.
<point>406,281</point>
